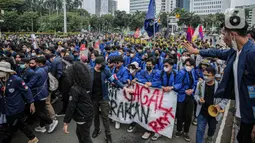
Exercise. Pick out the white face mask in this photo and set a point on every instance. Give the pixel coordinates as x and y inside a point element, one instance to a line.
<point>166,69</point>
<point>132,55</point>
<point>3,74</point>
<point>188,68</point>
<point>234,44</point>
<point>207,79</point>
<point>120,53</point>
<point>132,71</point>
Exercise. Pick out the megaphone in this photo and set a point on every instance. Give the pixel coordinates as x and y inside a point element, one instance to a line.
<point>213,111</point>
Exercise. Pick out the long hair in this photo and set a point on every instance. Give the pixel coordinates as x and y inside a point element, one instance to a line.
<point>79,74</point>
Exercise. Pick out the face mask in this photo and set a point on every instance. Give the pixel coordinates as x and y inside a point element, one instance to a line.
<point>188,68</point>
<point>120,53</point>
<point>108,53</point>
<point>33,54</point>
<point>132,55</point>
<point>72,49</point>
<point>207,79</point>
<point>149,68</point>
<point>140,51</point>
<point>3,74</point>
<point>132,71</point>
<point>156,54</point>
<point>34,67</point>
<point>102,67</point>
<point>234,44</point>
<point>166,69</point>
<point>172,52</point>
<point>22,66</point>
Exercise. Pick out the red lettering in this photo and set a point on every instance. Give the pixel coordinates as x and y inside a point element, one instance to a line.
<point>142,96</point>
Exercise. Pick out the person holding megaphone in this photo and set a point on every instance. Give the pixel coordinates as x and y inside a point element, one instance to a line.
<point>209,109</point>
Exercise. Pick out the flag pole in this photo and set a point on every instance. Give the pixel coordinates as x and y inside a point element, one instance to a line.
<point>154,30</point>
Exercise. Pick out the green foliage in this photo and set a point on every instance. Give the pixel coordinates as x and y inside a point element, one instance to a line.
<point>47,16</point>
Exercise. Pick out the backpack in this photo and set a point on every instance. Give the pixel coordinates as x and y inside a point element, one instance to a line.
<point>53,82</point>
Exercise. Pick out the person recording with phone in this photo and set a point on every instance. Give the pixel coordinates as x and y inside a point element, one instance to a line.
<point>239,73</point>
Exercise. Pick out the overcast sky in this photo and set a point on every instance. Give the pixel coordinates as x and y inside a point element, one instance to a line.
<point>124,4</point>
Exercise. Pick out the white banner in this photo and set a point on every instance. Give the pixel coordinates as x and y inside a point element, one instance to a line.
<point>151,108</point>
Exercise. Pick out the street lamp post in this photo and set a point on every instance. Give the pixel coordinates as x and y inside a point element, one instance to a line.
<point>64,6</point>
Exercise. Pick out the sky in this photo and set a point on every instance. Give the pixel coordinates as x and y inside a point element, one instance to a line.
<point>242,2</point>
<point>124,4</point>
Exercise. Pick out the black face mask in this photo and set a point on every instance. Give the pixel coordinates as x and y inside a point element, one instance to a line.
<point>108,53</point>
<point>149,68</point>
<point>156,54</point>
<point>102,67</point>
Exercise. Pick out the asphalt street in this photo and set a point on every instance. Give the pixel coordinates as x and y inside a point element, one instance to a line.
<point>118,136</point>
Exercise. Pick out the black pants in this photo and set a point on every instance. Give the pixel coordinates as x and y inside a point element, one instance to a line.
<point>42,113</point>
<point>65,91</point>
<point>105,107</point>
<point>195,109</point>
<point>83,132</point>
<point>5,133</point>
<point>244,134</point>
<point>18,122</point>
<point>185,110</point>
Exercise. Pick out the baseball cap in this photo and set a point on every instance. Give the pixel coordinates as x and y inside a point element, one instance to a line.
<point>100,60</point>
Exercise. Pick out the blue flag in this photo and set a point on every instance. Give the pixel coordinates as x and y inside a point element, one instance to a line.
<point>150,21</point>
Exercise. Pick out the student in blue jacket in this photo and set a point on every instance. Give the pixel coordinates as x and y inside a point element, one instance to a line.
<point>120,71</point>
<point>14,104</point>
<point>185,98</point>
<point>239,75</point>
<point>149,75</point>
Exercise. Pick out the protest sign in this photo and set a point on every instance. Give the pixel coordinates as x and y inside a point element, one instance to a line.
<point>151,108</point>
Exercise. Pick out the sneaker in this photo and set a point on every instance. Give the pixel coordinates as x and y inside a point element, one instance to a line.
<point>61,114</point>
<point>117,125</point>
<point>40,129</point>
<point>146,135</point>
<point>53,101</point>
<point>35,140</point>
<point>178,134</point>
<point>52,126</point>
<point>95,133</point>
<point>186,137</point>
<point>209,140</point>
<point>194,122</point>
<point>131,128</point>
<point>155,136</point>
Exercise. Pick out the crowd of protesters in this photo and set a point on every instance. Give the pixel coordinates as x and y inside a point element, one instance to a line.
<point>30,68</point>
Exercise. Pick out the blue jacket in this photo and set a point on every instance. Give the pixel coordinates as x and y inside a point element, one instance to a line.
<point>137,74</point>
<point>162,79</point>
<point>122,74</point>
<point>128,60</point>
<point>92,63</point>
<point>246,77</point>
<point>16,93</point>
<point>57,67</point>
<point>40,88</point>
<point>144,76</point>
<point>184,83</point>
<point>28,75</point>
<point>105,78</point>
<point>160,64</point>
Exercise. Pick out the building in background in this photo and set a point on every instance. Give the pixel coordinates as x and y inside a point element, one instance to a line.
<point>250,13</point>
<point>168,5</point>
<point>202,7</point>
<point>142,5</point>
<point>90,6</point>
<point>112,6</point>
<point>185,4</point>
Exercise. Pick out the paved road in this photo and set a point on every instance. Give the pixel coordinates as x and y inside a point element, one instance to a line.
<point>119,136</point>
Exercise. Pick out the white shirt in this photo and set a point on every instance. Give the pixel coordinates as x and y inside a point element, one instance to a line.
<point>235,70</point>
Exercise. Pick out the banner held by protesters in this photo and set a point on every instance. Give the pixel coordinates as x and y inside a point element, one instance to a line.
<point>152,108</point>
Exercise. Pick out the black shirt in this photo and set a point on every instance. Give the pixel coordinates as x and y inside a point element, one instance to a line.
<point>191,80</point>
<point>209,98</point>
<point>97,86</point>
